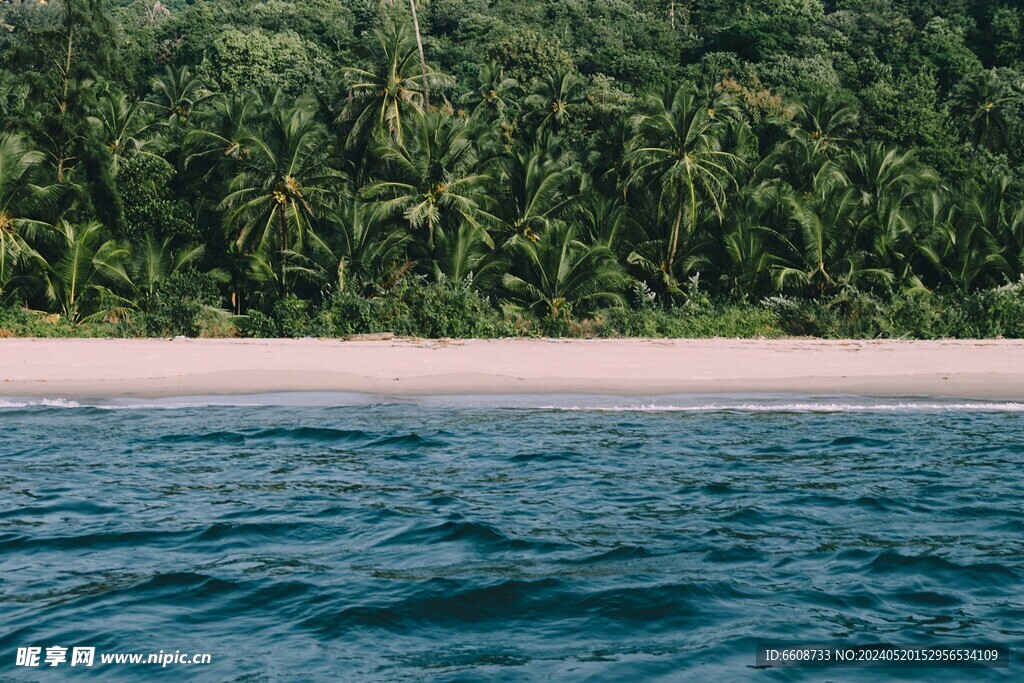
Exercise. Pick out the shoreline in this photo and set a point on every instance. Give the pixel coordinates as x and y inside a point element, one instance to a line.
<point>159,368</point>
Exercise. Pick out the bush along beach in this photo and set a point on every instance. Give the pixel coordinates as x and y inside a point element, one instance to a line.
<point>530,168</point>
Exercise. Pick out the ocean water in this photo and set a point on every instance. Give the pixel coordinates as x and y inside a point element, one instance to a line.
<point>344,538</point>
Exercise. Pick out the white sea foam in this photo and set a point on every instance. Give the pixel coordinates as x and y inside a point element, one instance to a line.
<point>774,403</point>
<point>808,407</point>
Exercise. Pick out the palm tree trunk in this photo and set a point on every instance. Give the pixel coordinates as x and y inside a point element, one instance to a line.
<point>674,241</point>
<point>423,60</point>
<point>62,103</point>
<point>284,248</point>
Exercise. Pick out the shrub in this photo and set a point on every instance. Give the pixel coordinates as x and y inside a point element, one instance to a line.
<point>415,308</point>
<point>179,305</point>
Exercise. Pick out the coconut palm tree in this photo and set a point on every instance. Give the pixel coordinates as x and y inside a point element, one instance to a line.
<point>677,151</point>
<point>464,255</point>
<point>85,280</point>
<point>746,257</point>
<point>383,97</point>
<point>176,94</point>
<point>555,99</point>
<point>560,276</point>
<point>432,180</point>
<point>363,248</point>
<point>537,185</point>
<point>492,94</point>
<point>282,186</point>
<point>890,184</point>
<point>960,252</point>
<point>221,131</point>
<point>123,127</point>
<point>822,253</point>
<point>995,208</point>
<point>152,263</point>
<point>22,205</point>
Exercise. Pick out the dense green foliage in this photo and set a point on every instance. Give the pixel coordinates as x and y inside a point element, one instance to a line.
<point>609,167</point>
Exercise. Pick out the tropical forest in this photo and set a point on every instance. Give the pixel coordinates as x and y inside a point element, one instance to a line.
<point>492,168</point>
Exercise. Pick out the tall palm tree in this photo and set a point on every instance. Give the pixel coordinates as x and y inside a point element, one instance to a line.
<point>433,180</point>
<point>282,186</point>
<point>677,149</point>
<point>560,276</point>
<point>382,97</point>
<point>419,47</point>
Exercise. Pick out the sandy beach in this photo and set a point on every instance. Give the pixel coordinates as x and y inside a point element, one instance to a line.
<point>180,367</point>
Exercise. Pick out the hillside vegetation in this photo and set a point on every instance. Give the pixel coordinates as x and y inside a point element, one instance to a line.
<point>600,167</point>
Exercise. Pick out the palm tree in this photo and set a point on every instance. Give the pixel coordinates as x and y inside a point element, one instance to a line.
<point>825,121</point>
<point>559,276</point>
<point>491,95</point>
<point>423,59</point>
<point>152,263</point>
<point>536,186</point>
<point>22,203</point>
<point>960,251</point>
<point>82,281</point>
<point>464,255</point>
<point>890,184</point>
<point>603,219</point>
<point>282,186</point>
<point>823,253</point>
<point>432,181</point>
<point>677,149</point>
<point>364,250</point>
<point>995,209</point>
<point>747,255</point>
<point>123,127</point>
<point>382,98</point>
<point>176,94</point>
<point>555,98</point>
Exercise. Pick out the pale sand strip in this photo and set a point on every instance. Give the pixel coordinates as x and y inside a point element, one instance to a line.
<point>110,367</point>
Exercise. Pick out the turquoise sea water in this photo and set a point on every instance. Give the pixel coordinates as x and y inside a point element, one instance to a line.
<point>567,538</point>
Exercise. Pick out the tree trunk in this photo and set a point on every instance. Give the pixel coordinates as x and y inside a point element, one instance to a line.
<point>62,105</point>
<point>672,14</point>
<point>284,247</point>
<point>423,60</point>
<point>674,241</point>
